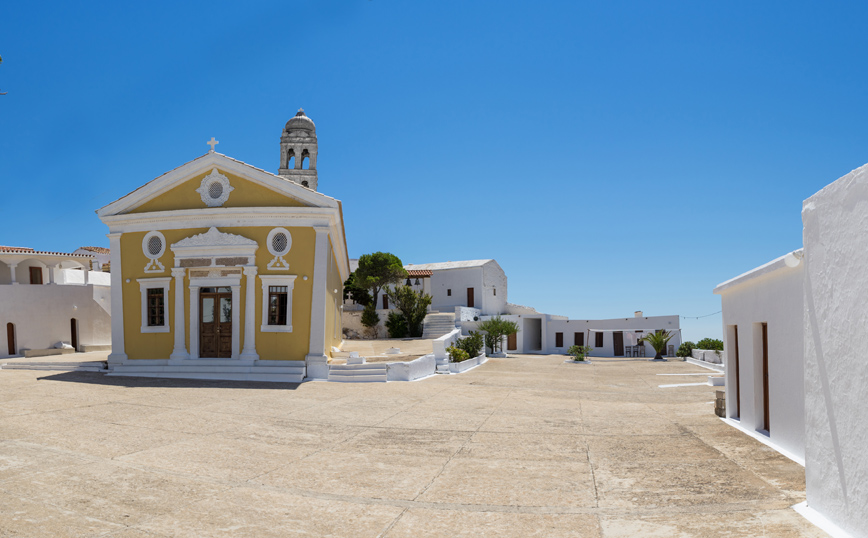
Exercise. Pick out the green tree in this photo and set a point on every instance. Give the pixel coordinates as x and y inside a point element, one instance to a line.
<point>712,344</point>
<point>495,329</point>
<point>378,270</point>
<point>353,291</point>
<point>412,304</point>
<point>685,349</point>
<point>658,341</point>
<point>370,319</point>
<point>396,324</point>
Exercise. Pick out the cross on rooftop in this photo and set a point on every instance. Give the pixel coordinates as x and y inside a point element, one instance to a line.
<point>212,143</point>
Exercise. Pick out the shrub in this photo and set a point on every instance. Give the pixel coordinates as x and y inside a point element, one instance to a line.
<point>471,344</point>
<point>456,354</point>
<point>579,353</point>
<point>685,349</point>
<point>396,324</point>
<point>413,306</point>
<point>370,319</point>
<point>710,344</point>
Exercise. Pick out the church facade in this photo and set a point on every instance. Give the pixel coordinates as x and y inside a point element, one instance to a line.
<point>221,270</point>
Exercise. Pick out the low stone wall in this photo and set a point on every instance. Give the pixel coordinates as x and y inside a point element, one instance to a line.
<point>410,371</point>
<point>708,355</point>
<point>464,313</point>
<point>458,367</point>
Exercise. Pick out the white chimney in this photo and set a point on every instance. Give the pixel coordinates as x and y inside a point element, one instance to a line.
<point>637,314</point>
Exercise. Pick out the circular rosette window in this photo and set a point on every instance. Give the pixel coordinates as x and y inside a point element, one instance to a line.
<point>215,189</point>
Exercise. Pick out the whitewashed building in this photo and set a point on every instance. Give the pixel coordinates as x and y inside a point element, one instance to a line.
<point>795,331</point>
<point>479,284</point>
<point>51,297</point>
<point>764,353</point>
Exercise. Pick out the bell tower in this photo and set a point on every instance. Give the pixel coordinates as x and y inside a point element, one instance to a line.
<point>298,151</point>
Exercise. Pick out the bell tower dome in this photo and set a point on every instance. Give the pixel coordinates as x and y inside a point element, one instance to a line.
<point>298,151</point>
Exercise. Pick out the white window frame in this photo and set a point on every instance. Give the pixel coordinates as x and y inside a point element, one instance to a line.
<point>277,280</point>
<point>146,284</point>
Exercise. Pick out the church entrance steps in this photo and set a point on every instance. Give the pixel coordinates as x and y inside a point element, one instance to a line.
<point>56,366</point>
<point>216,369</point>
<point>47,352</point>
<point>436,325</point>
<point>358,373</point>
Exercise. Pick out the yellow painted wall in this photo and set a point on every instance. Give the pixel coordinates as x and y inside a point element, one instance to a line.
<point>270,346</point>
<point>333,329</point>
<point>246,194</point>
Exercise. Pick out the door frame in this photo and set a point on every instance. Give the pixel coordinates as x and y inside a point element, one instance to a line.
<point>218,296</point>
<point>10,339</point>
<point>617,341</point>
<point>196,283</point>
<point>471,298</point>
<point>766,425</point>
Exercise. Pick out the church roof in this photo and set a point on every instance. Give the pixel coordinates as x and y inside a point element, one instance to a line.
<point>166,181</point>
<point>300,121</point>
<point>28,250</point>
<point>419,272</point>
<point>445,265</point>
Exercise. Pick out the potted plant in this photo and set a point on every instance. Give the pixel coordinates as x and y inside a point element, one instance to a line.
<point>579,353</point>
<point>658,341</point>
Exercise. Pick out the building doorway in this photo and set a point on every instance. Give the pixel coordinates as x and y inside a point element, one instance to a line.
<point>73,334</point>
<point>512,342</point>
<point>618,343</point>
<point>470,301</point>
<point>10,338</point>
<point>736,413</point>
<point>215,323</point>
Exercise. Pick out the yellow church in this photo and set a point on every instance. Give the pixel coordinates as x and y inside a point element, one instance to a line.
<point>220,270</point>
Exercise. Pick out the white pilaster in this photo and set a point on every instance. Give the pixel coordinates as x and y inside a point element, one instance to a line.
<point>86,275</point>
<point>180,350</point>
<point>118,354</point>
<point>249,351</point>
<point>194,321</point>
<point>51,275</point>
<point>316,359</point>
<point>12,267</point>
<point>236,320</point>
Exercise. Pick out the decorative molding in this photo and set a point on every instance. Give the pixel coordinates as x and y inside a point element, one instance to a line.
<point>153,247</point>
<point>278,264</point>
<point>214,238</point>
<point>215,189</point>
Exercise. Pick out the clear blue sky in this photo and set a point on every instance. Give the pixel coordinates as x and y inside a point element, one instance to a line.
<point>612,156</point>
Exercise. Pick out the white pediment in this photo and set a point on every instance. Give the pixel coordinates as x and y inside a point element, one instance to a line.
<point>214,238</point>
<point>214,245</point>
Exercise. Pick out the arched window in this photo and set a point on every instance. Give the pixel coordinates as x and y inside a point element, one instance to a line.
<point>305,159</point>
<point>304,183</point>
<point>290,158</point>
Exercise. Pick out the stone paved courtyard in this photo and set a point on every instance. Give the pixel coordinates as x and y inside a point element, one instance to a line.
<point>525,446</point>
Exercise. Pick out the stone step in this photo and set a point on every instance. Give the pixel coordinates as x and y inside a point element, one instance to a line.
<point>266,377</point>
<point>379,378</point>
<point>354,367</point>
<point>88,348</point>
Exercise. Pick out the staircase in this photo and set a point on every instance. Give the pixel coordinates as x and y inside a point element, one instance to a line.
<point>57,365</point>
<point>358,373</point>
<point>438,324</point>
<point>215,369</point>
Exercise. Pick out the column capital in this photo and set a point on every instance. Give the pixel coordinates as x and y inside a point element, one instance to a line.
<point>179,272</point>
<point>250,270</point>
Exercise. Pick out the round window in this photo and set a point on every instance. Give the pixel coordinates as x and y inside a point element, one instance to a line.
<point>279,241</point>
<point>215,190</point>
<point>154,245</point>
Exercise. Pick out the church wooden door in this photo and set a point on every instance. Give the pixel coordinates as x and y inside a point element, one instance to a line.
<point>215,323</point>
<point>470,301</point>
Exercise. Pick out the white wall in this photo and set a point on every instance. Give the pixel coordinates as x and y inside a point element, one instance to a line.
<point>41,315</point>
<point>457,280</point>
<point>836,362</point>
<point>569,327</point>
<point>772,294</point>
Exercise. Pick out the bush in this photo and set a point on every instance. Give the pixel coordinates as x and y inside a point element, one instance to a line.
<point>685,349</point>
<point>456,354</point>
<point>370,319</point>
<point>579,353</point>
<point>710,343</point>
<point>471,344</point>
<point>495,330</point>
<point>396,324</point>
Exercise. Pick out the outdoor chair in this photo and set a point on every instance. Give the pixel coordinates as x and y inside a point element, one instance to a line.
<point>628,351</point>
<point>641,351</point>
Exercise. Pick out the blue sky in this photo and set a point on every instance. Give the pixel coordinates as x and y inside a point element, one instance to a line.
<point>612,156</point>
